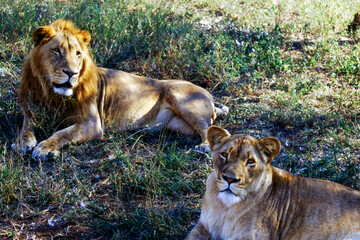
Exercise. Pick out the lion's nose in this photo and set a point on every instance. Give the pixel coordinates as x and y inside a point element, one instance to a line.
<point>69,73</point>
<point>230,179</point>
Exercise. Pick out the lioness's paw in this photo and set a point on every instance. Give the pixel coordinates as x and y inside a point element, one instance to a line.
<point>203,148</point>
<point>44,148</point>
<point>24,144</point>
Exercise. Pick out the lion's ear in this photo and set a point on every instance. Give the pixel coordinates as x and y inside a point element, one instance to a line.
<point>216,135</point>
<point>85,37</point>
<point>270,147</point>
<point>42,34</point>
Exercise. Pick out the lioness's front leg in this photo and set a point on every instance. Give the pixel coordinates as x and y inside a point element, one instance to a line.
<point>198,232</point>
<point>89,129</point>
<point>26,140</point>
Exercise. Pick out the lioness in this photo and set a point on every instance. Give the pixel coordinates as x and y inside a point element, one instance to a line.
<point>247,198</point>
<point>60,75</point>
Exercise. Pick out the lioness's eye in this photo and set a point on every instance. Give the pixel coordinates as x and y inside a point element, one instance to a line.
<point>56,51</point>
<point>251,162</point>
<point>224,155</point>
<point>78,53</point>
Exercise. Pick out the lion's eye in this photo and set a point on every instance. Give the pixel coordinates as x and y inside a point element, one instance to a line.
<point>250,162</point>
<point>224,155</point>
<point>56,51</point>
<point>78,53</point>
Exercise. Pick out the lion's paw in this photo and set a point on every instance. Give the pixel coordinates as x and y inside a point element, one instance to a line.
<point>24,144</point>
<point>44,148</point>
<point>203,148</point>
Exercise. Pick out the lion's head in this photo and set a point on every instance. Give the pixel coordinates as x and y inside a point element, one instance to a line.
<point>241,163</point>
<point>60,63</point>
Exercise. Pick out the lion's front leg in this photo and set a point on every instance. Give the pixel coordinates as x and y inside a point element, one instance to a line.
<point>77,133</point>
<point>26,140</point>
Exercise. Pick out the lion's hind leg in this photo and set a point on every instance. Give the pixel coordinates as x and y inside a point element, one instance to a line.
<point>191,120</point>
<point>179,125</point>
<point>193,108</point>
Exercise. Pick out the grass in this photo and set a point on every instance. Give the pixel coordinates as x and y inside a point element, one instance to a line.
<point>285,69</point>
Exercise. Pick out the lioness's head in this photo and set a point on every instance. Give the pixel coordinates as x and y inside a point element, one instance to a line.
<point>241,163</point>
<point>59,56</point>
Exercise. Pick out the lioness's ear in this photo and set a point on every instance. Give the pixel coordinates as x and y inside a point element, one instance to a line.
<point>84,36</point>
<point>270,147</point>
<point>42,34</point>
<point>215,135</point>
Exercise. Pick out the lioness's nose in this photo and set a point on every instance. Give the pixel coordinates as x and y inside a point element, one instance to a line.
<point>230,179</point>
<point>69,73</point>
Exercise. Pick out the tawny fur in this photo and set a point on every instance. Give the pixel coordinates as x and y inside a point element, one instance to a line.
<point>60,76</point>
<point>270,203</point>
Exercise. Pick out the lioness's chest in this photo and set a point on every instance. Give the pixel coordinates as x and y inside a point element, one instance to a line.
<point>230,225</point>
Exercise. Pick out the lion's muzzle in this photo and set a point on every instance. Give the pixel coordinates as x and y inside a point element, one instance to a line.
<point>66,87</point>
<point>69,73</point>
<point>63,85</point>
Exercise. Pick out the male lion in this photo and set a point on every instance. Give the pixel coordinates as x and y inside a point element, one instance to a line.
<point>60,75</point>
<point>247,198</point>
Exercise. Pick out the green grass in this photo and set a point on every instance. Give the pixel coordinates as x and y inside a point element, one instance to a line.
<point>285,69</point>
